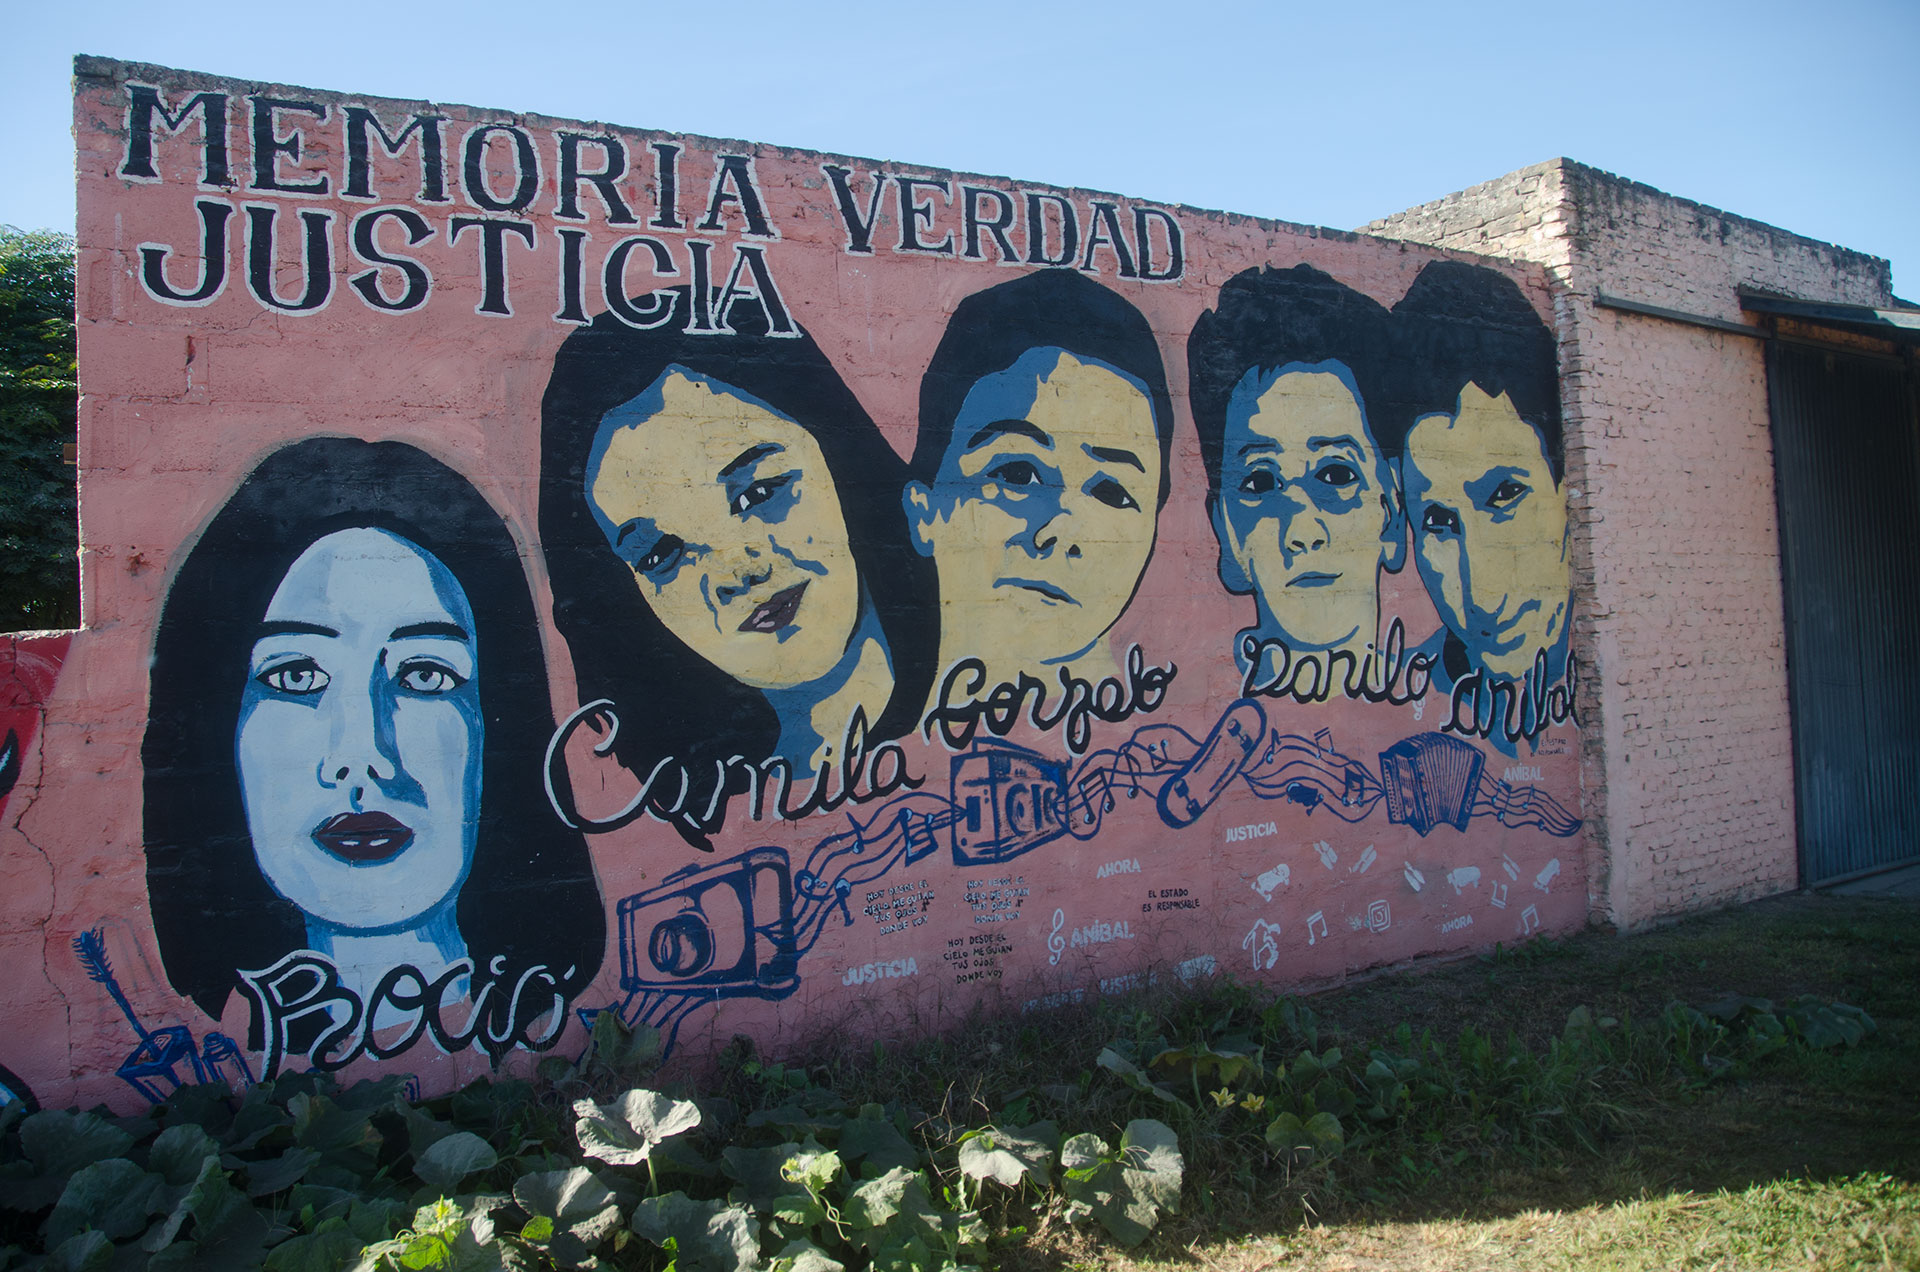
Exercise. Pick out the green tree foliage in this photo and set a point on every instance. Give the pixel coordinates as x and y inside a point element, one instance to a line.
<point>39,399</point>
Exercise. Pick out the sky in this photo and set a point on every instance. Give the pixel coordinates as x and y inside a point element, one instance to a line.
<point>1786,112</point>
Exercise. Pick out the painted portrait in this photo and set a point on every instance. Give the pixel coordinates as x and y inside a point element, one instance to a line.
<point>1039,472</point>
<point>1286,373</point>
<point>730,568</point>
<point>1482,470</point>
<point>348,710</point>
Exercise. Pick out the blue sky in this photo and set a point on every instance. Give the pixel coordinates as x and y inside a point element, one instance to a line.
<point>1786,112</point>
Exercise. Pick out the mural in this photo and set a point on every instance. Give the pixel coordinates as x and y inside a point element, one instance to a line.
<point>1302,496</point>
<point>752,591</point>
<point>1481,471</point>
<point>28,669</point>
<point>343,811</point>
<point>721,523</point>
<point>1038,475</point>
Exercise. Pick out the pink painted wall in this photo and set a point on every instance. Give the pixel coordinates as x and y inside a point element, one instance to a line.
<point>1194,833</point>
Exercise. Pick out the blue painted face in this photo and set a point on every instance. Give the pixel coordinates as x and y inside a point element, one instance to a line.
<point>360,736</point>
<point>1306,515</point>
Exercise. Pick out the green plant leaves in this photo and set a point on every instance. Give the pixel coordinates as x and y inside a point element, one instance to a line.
<point>1320,1133</point>
<point>1125,1190</point>
<point>1134,1076</point>
<point>626,1131</point>
<point>87,1252</point>
<point>1826,1025</point>
<point>114,1196</point>
<point>1009,1158</point>
<point>54,1144</point>
<point>813,1168</point>
<point>709,1236</point>
<point>804,1256</point>
<point>873,1141</point>
<point>326,1250</point>
<point>1204,1063</point>
<point>452,1158</point>
<point>878,1202</point>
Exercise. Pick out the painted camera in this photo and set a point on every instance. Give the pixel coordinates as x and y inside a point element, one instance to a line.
<point>725,929</point>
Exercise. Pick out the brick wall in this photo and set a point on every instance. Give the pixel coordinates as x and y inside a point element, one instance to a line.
<point>1688,765</point>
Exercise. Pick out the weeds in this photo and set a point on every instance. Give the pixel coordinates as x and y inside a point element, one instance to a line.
<point>1011,1140</point>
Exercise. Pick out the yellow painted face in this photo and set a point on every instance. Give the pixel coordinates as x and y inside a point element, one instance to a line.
<point>1490,531</point>
<point>1041,519</point>
<point>725,512</point>
<point>1304,511</point>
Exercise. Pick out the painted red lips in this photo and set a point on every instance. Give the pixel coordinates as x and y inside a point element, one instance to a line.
<point>776,612</point>
<point>363,838</point>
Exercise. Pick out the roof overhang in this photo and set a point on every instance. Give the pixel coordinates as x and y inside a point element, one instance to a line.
<point>1899,325</point>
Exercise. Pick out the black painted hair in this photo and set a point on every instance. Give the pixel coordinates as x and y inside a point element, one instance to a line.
<point>1055,308</point>
<point>1463,324</point>
<point>1267,318</point>
<point>530,898</point>
<point>672,702</point>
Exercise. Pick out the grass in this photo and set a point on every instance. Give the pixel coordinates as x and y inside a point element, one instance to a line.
<point>1629,1151</point>
<point>1868,1221</point>
<point>1702,1096</point>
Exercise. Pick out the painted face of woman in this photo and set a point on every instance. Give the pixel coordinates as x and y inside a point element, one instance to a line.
<point>360,735</point>
<point>725,512</point>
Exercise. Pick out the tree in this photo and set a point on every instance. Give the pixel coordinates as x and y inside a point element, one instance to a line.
<point>39,402</point>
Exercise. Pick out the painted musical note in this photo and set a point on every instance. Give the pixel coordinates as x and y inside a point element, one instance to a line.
<point>1317,919</point>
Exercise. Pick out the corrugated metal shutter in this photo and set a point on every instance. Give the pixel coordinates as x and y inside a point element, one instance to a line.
<point>1847,464</point>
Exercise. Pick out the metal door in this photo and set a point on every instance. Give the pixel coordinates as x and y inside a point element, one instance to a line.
<point>1847,466</point>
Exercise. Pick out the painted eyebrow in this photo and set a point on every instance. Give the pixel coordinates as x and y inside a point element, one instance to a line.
<point>752,455</point>
<point>1019,427</point>
<point>290,627</point>
<point>452,631</point>
<point>1113,455</point>
<point>1313,443</point>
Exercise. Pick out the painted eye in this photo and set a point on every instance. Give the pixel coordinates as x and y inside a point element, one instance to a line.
<point>758,493</point>
<point>1015,472</point>
<point>662,557</point>
<point>1506,493</point>
<point>428,677</point>
<point>1337,474</point>
<point>1438,520</point>
<point>1259,482</point>
<point>299,677</point>
<point>1112,493</point>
